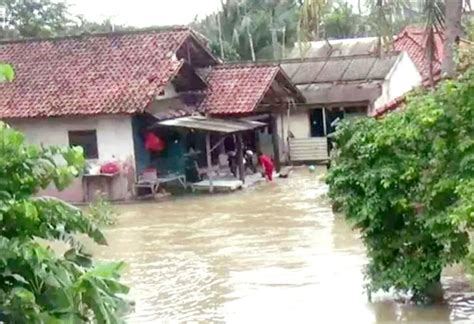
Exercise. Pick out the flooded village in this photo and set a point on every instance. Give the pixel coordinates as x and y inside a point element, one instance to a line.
<point>217,173</point>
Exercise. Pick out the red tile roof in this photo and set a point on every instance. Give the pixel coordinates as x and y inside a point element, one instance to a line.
<point>238,89</point>
<point>90,74</point>
<point>412,40</point>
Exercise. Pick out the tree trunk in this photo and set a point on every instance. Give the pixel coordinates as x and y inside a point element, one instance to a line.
<point>452,35</point>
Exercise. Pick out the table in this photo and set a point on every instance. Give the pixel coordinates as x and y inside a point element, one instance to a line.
<point>154,184</point>
<point>87,178</point>
<point>181,178</point>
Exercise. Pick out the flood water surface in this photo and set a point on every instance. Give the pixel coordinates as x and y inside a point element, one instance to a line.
<point>270,254</point>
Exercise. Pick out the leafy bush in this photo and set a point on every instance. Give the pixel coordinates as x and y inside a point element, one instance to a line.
<point>407,183</point>
<point>102,213</point>
<point>37,285</point>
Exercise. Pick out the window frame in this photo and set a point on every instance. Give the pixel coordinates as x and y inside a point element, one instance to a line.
<point>74,134</point>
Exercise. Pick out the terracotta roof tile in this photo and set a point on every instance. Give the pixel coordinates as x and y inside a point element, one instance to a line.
<point>237,89</point>
<point>412,40</point>
<point>89,74</point>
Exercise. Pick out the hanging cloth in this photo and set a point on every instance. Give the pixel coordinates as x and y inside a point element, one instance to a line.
<point>153,143</point>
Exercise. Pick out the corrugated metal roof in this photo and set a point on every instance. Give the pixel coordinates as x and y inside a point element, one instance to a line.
<point>382,67</point>
<point>328,93</point>
<point>340,69</point>
<point>335,48</point>
<point>332,71</point>
<point>226,126</point>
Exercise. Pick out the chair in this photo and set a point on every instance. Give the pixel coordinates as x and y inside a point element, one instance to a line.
<point>148,179</point>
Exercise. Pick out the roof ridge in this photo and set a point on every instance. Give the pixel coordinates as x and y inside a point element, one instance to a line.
<point>339,57</point>
<point>227,65</point>
<point>155,29</point>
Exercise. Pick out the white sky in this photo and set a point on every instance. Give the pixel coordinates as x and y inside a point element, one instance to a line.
<point>142,13</point>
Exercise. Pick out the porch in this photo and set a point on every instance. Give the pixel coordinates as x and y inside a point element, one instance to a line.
<point>209,153</point>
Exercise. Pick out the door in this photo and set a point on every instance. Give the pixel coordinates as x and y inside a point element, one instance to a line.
<point>317,123</point>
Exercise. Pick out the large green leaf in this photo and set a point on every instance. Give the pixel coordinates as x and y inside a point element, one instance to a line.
<point>7,73</point>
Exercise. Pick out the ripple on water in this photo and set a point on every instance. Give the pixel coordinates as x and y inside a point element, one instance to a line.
<point>270,254</point>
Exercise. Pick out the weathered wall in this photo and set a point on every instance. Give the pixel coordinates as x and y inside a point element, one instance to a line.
<point>114,141</point>
<point>298,124</point>
<point>403,77</point>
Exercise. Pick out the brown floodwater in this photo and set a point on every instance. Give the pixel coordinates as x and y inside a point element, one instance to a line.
<point>271,254</point>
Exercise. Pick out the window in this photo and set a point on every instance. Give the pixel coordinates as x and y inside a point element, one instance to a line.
<point>87,140</point>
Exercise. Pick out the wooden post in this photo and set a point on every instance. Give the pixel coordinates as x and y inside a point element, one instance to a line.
<point>209,162</point>
<point>240,157</point>
<point>275,142</point>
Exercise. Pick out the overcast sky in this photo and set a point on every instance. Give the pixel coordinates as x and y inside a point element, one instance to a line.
<point>144,13</point>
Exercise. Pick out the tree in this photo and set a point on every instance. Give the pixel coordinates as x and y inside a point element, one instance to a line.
<point>341,22</point>
<point>35,18</point>
<point>452,36</point>
<point>39,286</point>
<point>406,182</point>
<point>46,18</point>
<point>251,29</point>
<point>310,18</point>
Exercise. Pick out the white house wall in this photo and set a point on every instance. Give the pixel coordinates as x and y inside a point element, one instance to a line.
<point>114,142</point>
<point>299,126</point>
<point>403,77</point>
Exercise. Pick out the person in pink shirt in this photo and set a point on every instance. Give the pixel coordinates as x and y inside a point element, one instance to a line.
<point>267,164</point>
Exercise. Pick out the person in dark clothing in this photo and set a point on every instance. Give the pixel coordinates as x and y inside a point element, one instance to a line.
<point>249,161</point>
<point>232,157</point>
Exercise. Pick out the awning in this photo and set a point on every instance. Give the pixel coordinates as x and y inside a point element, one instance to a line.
<point>218,125</point>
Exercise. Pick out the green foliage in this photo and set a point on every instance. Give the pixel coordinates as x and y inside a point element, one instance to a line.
<point>35,18</point>
<point>7,73</point>
<point>47,18</point>
<point>102,213</point>
<point>407,183</point>
<point>37,285</point>
<point>243,27</point>
<point>341,22</point>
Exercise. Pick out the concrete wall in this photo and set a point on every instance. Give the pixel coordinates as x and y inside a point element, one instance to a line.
<point>114,141</point>
<point>403,77</point>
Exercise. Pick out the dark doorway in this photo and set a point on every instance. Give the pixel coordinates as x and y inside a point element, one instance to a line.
<point>331,117</point>
<point>317,123</point>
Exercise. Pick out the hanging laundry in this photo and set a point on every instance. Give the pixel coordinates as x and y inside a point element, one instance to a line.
<point>153,143</point>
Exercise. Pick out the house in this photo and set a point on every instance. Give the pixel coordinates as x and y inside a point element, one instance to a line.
<point>412,40</point>
<point>107,92</point>
<point>342,78</point>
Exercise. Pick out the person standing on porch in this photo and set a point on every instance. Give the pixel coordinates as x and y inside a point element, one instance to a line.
<point>267,165</point>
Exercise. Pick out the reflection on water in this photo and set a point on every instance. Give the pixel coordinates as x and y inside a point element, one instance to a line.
<point>271,254</point>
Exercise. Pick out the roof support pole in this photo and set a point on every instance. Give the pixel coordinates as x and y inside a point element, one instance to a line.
<point>325,127</point>
<point>240,157</point>
<point>209,161</point>
<point>275,142</point>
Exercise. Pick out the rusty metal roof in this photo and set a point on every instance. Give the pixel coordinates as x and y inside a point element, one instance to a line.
<point>218,125</point>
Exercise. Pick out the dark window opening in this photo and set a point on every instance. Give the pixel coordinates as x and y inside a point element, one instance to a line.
<point>87,140</point>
